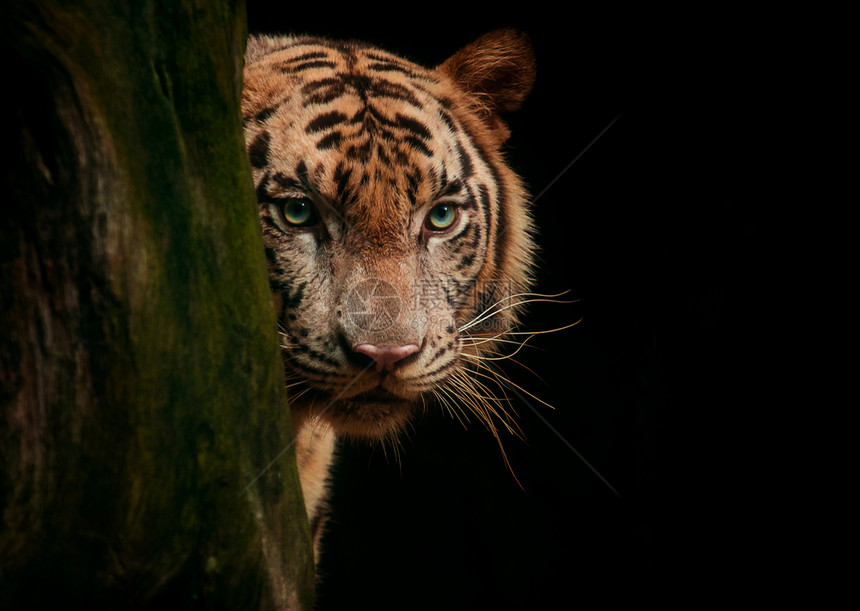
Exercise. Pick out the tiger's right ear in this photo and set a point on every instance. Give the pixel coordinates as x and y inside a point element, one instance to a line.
<point>497,71</point>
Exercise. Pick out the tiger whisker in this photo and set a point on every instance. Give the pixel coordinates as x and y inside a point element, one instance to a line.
<point>396,447</point>
<point>479,406</point>
<point>527,368</point>
<point>438,392</point>
<point>531,334</point>
<point>504,379</point>
<point>498,355</point>
<point>497,308</point>
<point>297,396</point>
<point>463,376</point>
<point>484,401</point>
<point>484,415</point>
<point>500,306</point>
<point>487,363</point>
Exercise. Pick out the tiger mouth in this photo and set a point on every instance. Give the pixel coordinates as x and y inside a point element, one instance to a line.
<point>377,413</point>
<point>377,396</point>
<point>373,414</point>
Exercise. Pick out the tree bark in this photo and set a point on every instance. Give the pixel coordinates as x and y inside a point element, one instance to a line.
<point>141,386</point>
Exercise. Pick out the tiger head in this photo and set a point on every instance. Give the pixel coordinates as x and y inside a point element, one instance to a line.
<point>397,238</point>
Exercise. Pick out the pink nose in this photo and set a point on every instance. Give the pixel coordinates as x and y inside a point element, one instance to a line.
<point>386,356</point>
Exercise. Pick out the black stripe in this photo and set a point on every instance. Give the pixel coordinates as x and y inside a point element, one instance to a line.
<point>342,177</point>
<point>271,254</point>
<point>374,115</point>
<point>466,262</point>
<point>269,222</point>
<point>298,347</point>
<point>461,237</point>
<point>383,66</point>
<point>414,126</point>
<point>325,121</point>
<point>360,152</point>
<point>258,151</point>
<point>438,353</point>
<point>262,190</point>
<point>392,63</point>
<point>326,374</point>
<point>280,285</point>
<point>452,188</point>
<point>307,66</point>
<point>386,89</point>
<point>382,155</point>
<point>442,179</point>
<point>319,172</point>
<point>476,237</point>
<point>329,142</point>
<point>486,202</point>
<point>292,300</point>
<point>484,194</point>
<point>264,114</point>
<point>413,181</point>
<point>401,157</point>
<point>322,91</point>
<point>359,82</point>
<point>467,168</point>
<point>446,116</point>
<point>485,198</point>
<point>418,145</point>
<point>302,173</point>
<point>287,182</point>
<point>447,365</point>
<point>306,56</point>
<point>502,236</point>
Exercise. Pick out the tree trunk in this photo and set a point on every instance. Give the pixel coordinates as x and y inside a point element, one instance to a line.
<point>141,386</point>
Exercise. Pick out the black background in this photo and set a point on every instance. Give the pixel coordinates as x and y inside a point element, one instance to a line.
<point>657,231</point>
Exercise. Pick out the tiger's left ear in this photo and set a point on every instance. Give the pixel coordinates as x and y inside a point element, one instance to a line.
<point>497,72</point>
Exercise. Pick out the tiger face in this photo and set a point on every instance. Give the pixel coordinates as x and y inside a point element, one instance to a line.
<point>396,236</point>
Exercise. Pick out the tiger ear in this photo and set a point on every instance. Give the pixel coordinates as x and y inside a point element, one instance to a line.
<point>497,72</point>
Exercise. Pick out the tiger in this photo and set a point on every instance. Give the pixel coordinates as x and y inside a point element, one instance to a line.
<point>398,239</point>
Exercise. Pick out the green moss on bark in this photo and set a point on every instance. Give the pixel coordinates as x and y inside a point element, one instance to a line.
<point>143,389</point>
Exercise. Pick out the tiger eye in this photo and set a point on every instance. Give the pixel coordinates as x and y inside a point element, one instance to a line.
<point>441,217</point>
<point>298,212</point>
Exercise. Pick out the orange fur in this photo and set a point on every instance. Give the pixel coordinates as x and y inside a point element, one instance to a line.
<point>373,145</point>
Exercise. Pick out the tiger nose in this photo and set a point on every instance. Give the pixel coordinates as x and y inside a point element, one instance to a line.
<point>386,357</point>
